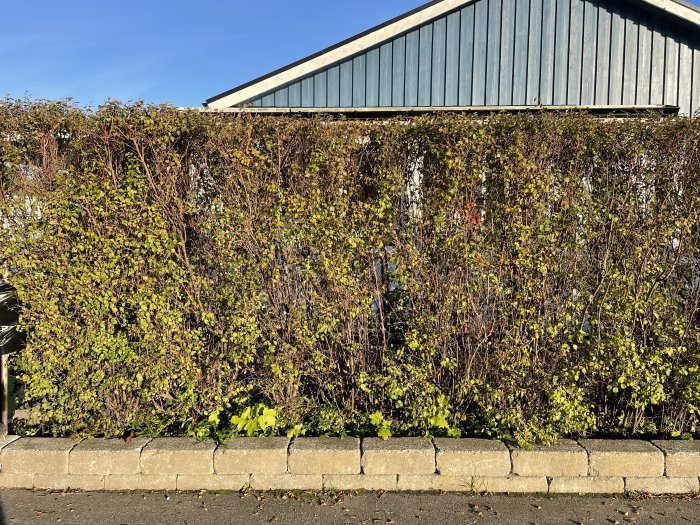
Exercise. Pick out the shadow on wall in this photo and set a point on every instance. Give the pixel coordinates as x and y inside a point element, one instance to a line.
<point>11,340</point>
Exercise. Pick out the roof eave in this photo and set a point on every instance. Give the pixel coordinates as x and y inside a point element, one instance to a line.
<point>387,112</point>
<point>678,8</point>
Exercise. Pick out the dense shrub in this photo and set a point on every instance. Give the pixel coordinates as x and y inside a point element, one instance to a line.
<point>190,273</point>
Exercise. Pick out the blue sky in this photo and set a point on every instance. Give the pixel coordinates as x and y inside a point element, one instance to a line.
<point>175,51</point>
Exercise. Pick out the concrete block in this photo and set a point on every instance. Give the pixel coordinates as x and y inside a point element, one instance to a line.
<point>213,482</point>
<point>252,456</point>
<point>682,458</point>
<point>408,456</point>
<point>586,485</point>
<point>6,440</point>
<point>172,456</point>
<point>564,458</point>
<point>473,484</point>
<point>626,458</point>
<point>472,457</point>
<point>78,482</point>
<point>324,456</point>
<point>359,482</point>
<point>141,482</point>
<point>437,482</point>
<point>663,485</point>
<point>16,481</point>
<point>510,484</point>
<point>106,456</point>
<point>420,483</point>
<point>32,455</point>
<point>465,484</point>
<point>286,482</point>
<point>83,482</point>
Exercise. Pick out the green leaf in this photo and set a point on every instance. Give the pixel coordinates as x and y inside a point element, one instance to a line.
<point>384,433</point>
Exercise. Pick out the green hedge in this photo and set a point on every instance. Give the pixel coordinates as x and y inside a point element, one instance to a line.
<point>200,274</point>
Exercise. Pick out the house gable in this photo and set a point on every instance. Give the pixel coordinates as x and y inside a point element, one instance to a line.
<point>462,53</point>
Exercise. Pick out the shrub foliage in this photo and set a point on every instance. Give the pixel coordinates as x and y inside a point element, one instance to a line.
<point>201,274</point>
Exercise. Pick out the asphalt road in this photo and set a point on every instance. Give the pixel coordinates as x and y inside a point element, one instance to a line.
<point>30,508</point>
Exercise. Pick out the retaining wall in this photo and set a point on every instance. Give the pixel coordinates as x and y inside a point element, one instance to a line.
<point>461,465</point>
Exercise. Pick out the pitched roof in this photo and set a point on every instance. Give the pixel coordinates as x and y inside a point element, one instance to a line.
<point>381,33</point>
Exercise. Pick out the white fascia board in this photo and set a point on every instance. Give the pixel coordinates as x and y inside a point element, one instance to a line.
<point>336,55</point>
<point>679,9</point>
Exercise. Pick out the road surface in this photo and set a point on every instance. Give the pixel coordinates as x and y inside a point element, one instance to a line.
<point>40,507</point>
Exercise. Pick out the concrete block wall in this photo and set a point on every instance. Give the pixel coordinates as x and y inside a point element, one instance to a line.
<point>587,466</point>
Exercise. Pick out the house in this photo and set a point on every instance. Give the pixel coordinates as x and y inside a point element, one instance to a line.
<point>481,55</point>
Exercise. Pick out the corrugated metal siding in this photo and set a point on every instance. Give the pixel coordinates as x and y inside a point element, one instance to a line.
<point>517,52</point>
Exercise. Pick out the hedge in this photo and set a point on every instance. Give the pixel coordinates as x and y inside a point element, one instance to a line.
<point>185,273</point>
